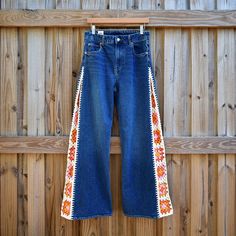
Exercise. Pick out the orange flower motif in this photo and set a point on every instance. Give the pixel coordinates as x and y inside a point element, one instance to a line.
<point>157,136</point>
<point>66,207</point>
<point>72,153</point>
<point>73,136</point>
<point>165,206</point>
<point>161,171</point>
<point>70,171</point>
<point>68,189</point>
<point>154,118</point>
<point>163,188</point>
<point>159,153</point>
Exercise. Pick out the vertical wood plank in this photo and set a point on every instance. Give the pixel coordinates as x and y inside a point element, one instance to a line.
<point>63,53</point>
<point>200,123</point>
<point>22,204</point>
<point>22,192</point>
<point>177,121</point>
<point>212,130</point>
<point>172,71</point>
<point>199,163</point>
<point>8,126</point>
<point>36,126</point>
<point>58,113</point>
<point>226,126</point>
<point>226,70</point>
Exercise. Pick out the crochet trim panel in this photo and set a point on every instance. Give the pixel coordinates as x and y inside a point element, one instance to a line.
<point>70,176</point>
<point>164,205</point>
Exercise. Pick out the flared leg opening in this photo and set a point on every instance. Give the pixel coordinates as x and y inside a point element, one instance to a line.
<point>84,217</point>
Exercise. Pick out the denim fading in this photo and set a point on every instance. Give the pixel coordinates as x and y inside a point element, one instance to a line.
<point>116,70</point>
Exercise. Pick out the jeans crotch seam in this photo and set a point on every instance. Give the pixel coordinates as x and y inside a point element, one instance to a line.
<point>116,71</point>
<point>115,84</point>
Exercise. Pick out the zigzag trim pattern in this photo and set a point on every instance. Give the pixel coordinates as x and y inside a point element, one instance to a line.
<point>164,204</point>
<point>67,207</point>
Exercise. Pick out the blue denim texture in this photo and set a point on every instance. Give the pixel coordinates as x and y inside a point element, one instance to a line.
<point>115,73</point>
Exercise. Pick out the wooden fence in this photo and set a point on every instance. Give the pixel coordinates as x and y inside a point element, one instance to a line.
<point>194,56</point>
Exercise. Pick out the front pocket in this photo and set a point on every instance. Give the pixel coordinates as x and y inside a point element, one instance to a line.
<point>93,48</point>
<point>140,48</point>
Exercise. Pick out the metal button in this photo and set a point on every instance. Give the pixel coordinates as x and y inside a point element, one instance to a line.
<point>118,39</point>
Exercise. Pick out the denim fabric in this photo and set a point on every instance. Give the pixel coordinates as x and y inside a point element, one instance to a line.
<point>116,70</point>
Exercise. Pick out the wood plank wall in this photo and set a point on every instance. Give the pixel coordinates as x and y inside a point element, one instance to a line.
<point>196,74</point>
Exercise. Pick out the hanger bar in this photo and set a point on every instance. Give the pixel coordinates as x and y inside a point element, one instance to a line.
<point>119,20</point>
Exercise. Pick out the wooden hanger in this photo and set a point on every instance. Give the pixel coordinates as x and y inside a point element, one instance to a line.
<point>118,21</point>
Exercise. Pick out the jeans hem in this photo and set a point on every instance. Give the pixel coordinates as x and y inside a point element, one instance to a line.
<point>87,216</point>
<point>147,216</point>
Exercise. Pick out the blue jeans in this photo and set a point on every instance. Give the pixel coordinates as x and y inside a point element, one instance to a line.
<point>116,70</point>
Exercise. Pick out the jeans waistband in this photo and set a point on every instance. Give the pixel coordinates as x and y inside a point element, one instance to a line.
<point>116,36</point>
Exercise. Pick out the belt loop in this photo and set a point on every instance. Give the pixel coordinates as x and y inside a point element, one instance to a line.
<point>129,39</point>
<point>147,39</point>
<point>102,39</point>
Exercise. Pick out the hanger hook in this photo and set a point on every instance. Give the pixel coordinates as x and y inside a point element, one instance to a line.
<point>141,28</point>
<point>93,28</point>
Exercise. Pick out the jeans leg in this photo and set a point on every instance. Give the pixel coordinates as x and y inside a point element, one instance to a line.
<point>145,190</point>
<point>87,184</point>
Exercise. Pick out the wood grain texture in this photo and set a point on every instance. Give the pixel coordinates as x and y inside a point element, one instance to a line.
<point>36,124</point>
<point>174,144</point>
<point>177,120</point>
<point>8,126</point>
<point>22,117</point>
<point>226,126</point>
<point>78,18</point>
<point>199,165</point>
<point>226,78</point>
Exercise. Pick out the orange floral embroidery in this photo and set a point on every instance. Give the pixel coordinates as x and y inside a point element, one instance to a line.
<point>161,170</point>
<point>165,206</point>
<point>164,201</point>
<point>66,207</point>
<point>163,188</point>
<point>73,136</point>
<point>70,170</point>
<point>154,118</point>
<point>68,189</point>
<point>72,153</point>
<point>67,202</point>
<point>157,136</point>
<point>159,153</point>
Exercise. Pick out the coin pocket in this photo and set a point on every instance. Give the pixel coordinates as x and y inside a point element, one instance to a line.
<point>140,48</point>
<point>93,48</point>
